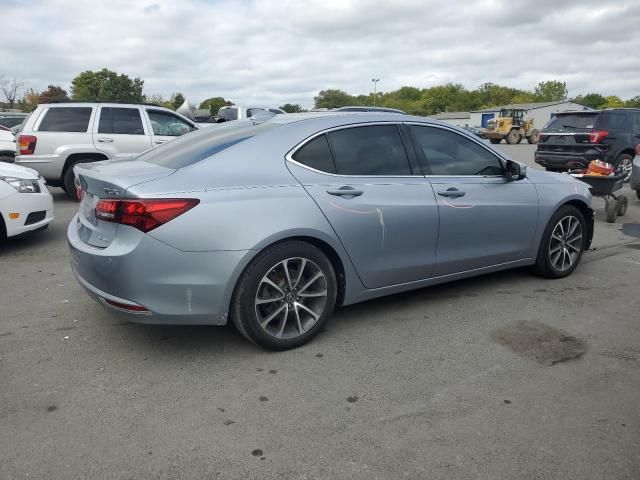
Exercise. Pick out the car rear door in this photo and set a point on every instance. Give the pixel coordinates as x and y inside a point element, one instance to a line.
<point>165,126</point>
<point>382,210</point>
<point>120,131</point>
<point>485,220</point>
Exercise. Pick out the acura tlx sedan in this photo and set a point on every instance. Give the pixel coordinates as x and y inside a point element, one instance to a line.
<point>273,225</point>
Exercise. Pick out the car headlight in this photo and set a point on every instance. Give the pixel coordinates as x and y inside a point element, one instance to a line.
<point>22,185</point>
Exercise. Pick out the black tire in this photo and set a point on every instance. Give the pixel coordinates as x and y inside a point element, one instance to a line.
<point>544,265</point>
<point>534,137</point>
<point>611,210</point>
<point>512,137</point>
<point>495,141</point>
<point>623,203</point>
<point>627,159</point>
<point>68,181</point>
<point>638,193</point>
<point>244,305</point>
<point>7,159</point>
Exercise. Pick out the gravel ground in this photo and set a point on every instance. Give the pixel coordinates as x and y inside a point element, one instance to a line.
<point>445,382</point>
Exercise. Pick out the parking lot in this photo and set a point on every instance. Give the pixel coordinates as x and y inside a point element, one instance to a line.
<point>503,376</point>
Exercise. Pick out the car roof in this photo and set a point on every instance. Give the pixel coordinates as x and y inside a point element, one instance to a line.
<point>89,104</point>
<point>353,117</point>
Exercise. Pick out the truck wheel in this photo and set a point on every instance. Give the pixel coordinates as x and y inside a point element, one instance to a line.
<point>625,162</point>
<point>495,141</point>
<point>512,137</point>
<point>534,137</point>
<point>519,138</point>
<point>612,210</point>
<point>623,203</point>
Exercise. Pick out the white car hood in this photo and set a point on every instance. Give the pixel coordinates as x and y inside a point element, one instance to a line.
<point>12,170</point>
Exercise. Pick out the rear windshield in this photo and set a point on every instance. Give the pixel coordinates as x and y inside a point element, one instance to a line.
<point>572,121</point>
<point>204,143</point>
<point>66,119</point>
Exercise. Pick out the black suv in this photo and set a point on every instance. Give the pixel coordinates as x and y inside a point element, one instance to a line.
<point>572,139</point>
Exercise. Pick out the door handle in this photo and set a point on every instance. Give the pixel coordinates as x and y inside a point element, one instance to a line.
<point>159,142</point>
<point>105,140</point>
<point>345,192</point>
<point>451,193</point>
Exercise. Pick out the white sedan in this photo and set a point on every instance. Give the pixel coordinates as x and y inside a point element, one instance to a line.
<point>25,202</point>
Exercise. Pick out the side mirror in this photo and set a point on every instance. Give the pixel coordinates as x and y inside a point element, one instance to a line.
<point>515,171</point>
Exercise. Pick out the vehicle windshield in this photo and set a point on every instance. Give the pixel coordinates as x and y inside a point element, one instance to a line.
<point>572,121</point>
<point>204,143</point>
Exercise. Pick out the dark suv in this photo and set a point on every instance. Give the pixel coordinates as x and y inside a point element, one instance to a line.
<point>571,140</point>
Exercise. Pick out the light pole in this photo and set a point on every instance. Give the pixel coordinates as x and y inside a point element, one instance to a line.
<point>375,90</point>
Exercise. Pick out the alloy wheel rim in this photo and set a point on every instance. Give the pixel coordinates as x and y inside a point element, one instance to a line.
<point>626,165</point>
<point>291,298</point>
<point>566,243</point>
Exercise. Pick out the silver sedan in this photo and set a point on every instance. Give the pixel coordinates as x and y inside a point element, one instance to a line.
<point>273,225</point>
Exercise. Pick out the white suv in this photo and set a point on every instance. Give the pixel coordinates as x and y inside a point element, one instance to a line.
<point>57,136</point>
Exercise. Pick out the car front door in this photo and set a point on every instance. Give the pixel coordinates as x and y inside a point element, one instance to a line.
<point>120,131</point>
<point>166,126</point>
<point>485,219</point>
<point>382,210</point>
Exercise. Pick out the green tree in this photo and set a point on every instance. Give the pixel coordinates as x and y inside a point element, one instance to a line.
<point>292,108</point>
<point>612,101</point>
<point>214,104</point>
<point>176,100</point>
<point>593,100</point>
<point>106,86</point>
<point>332,98</point>
<point>551,91</point>
<point>52,94</point>
<point>633,102</point>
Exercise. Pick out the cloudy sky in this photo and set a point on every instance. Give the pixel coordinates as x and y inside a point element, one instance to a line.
<point>276,51</point>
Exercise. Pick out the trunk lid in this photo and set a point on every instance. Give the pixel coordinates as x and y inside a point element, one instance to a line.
<point>108,179</point>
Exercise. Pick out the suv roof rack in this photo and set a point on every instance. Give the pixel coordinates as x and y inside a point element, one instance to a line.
<point>103,101</point>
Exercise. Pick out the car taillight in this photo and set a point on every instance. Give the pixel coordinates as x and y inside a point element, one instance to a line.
<point>27,144</point>
<point>597,135</point>
<point>143,214</point>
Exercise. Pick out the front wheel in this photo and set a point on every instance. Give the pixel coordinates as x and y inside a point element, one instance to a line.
<point>513,136</point>
<point>285,296</point>
<point>625,163</point>
<point>562,244</point>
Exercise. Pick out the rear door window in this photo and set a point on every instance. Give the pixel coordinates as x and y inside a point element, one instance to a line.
<point>66,119</point>
<point>168,124</point>
<point>124,121</point>
<point>373,150</point>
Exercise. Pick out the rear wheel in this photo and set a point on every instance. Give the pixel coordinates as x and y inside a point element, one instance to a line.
<point>625,163</point>
<point>285,296</point>
<point>534,137</point>
<point>562,244</point>
<point>513,136</point>
<point>495,141</point>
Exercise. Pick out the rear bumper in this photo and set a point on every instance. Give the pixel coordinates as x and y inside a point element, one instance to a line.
<point>48,166</point>
<point>176,287</point>
<point>567,160</point>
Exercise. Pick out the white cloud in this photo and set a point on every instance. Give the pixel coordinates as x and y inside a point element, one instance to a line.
<point>271,52</point>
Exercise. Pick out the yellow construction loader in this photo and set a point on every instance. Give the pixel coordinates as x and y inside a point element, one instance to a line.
<point>512,126</point>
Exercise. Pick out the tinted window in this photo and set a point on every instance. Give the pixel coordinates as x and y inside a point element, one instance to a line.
<point>449,153</point>
<point>572,121</point>
<point>120,120</point>
<point>228,114</point>
<point>202,144</point>
<point>374,150</point>
<point>167,124</point>
<point>611,121</point>
<point>316,154</point>
<point>11,121</point>
<point>66,119</point>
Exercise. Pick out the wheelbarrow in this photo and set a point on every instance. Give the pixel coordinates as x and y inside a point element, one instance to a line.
<point>603,187</point>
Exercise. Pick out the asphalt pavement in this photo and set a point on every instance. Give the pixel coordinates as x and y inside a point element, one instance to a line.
<point>506,376</point>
